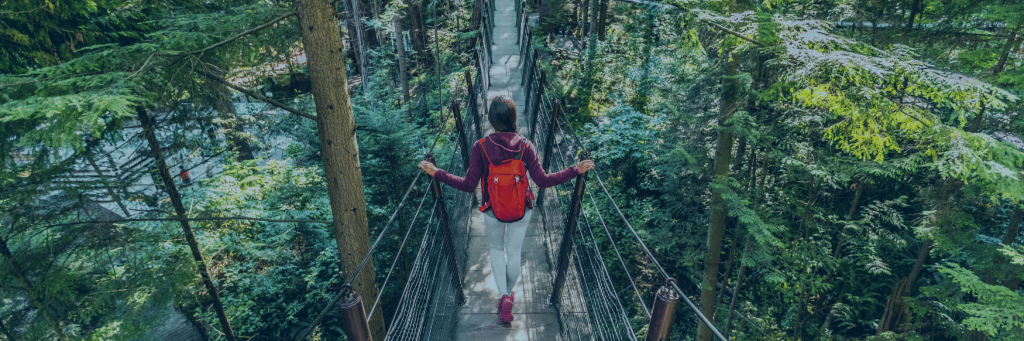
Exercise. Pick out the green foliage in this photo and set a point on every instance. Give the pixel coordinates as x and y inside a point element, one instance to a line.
<point>998,312</point>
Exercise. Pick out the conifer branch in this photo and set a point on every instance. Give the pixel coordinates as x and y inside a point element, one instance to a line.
<point>235,37</point>
<point>192,219</point>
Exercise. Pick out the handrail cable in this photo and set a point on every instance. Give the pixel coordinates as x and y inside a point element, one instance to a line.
<point>601,284</point>
<point>643,245</point>
<point>619,255</point>
<point>650,255</point>
<point>398,255</point>
<point>413,281</point>
<point>347,287</point>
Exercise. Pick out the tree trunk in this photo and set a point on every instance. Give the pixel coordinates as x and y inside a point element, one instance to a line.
<point>837,252</point>
<point>922,255</point>
<point>838,249</point>
<point>419,32</point>
<point>945,205</point>
<point>106,184</point>
<point>797,335</point>
<point>30,289</point>
<point>732,225</point>
<point>592,26</point>
<point>1001,261</point>
<point>186,227</point>
<point>736,290</point>
<point>364,69</point>
<point>6,331</point>
<point>915,8</point>
<point>403,74</point>
<point>602,20</point>
<point>719,213</point>
<point>337,133</point>
<point>1011,42</point>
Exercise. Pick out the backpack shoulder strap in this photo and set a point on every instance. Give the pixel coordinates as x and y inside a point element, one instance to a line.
<point>522,147</point>
<point>484,147</point>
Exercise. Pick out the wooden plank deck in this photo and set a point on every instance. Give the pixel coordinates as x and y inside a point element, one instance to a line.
<point>535,319</point>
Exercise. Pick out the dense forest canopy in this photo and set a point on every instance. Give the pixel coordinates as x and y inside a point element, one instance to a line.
<point>807,170</point>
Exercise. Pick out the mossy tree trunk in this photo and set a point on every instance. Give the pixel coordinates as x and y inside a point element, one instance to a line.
<point>337,134</point>
<point>730,101</point>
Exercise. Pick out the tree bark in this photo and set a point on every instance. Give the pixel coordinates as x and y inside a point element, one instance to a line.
<point>186,227</point>
<point>30,289</point>
<point>838,249</point>
<point>602,20</point>
<point>914,11</point>
<point>337,134</point>
<point>403,74</point>
<point>592,25</point>
<point>1011,42</point>
<point>364,69</point>
<point>419,32</point>
<point>719,212</point>
<point>736,290</point>
<point>837,252</point>
<point>732,225</point>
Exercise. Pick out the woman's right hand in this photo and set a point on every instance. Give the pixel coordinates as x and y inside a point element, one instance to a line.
<point>585,166</point>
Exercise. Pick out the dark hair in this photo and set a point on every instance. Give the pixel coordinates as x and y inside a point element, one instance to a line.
<point>502,114</point>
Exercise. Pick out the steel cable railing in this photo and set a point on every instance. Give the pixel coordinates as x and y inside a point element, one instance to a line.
<point>433,294</point>
<point>643,246</point>
<point>601,303</point>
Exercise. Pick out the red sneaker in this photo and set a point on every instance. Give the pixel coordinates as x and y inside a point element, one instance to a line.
<point>505,308</point>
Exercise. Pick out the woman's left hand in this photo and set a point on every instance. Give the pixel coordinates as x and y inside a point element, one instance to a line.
<point>428,167</point>
<point>585,166</point>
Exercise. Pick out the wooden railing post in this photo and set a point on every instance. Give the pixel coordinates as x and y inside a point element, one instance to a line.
<point>663,313</point>
<point>446,234</point>
<point>353,317</point>
<point>528,85</point>
<point>462,140</point>
<point>550,141</point>
<point>538,99</point>
<point>472,105</point>
<point>548,144</point>
<point>565,250</point>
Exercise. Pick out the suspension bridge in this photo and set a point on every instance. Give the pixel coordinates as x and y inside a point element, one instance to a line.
<point>565,291</point>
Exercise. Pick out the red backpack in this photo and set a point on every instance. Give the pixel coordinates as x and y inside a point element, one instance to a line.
<point>506,186</point>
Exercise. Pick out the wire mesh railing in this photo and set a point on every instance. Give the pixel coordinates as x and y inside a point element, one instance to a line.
<point>591,304</point>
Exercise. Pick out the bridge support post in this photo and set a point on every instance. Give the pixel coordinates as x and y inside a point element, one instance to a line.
<point>524,54</point>
<point>548,144</point>
<point>662,314</point>
<point>353,317</point>
<point>446,235</point>
<point>474,110</point>
<point>462,140</point>
<point>565,250</point>
<point>536,104</point>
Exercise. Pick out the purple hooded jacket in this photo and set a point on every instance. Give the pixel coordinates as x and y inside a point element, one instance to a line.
<point>500,147</point>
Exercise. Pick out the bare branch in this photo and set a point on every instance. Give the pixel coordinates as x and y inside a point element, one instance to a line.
<point>256,95</point>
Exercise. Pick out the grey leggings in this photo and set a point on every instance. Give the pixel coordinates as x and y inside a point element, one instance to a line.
<point>506,242</point>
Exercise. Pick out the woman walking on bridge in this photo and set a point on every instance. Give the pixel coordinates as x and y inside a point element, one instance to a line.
<point>500,162</point>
